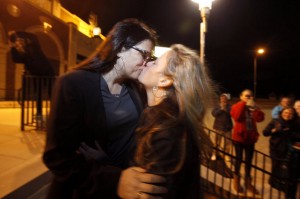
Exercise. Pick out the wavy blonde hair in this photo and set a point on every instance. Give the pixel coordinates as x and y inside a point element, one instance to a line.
<point>187,100</point>
<point>193,88</point>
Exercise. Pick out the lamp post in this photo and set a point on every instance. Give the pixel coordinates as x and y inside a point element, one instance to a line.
<point>258,52</point>
<point>204,8</point>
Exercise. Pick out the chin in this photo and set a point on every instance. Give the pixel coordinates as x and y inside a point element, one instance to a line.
<point>140,80</point>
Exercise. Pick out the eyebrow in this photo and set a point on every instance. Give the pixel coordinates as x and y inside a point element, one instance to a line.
<point>145,52</point>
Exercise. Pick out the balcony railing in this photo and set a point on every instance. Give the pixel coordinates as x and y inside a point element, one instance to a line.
<point>35,101</point>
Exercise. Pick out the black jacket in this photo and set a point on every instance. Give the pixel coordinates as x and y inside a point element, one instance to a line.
<point>171,151</point>
<point>223,121</point>
<point>282,137</point>
<point>77,115</point>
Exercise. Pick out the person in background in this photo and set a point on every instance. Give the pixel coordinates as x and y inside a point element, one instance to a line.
<point>38,73</point>
<point>245,114</point>
<point>26,48</point>
<point>98,104</point>
<point>297,107</point>
<point>222,125</point>
<point>170,135</point>
<point>284,102</point>
<point>282,133</point>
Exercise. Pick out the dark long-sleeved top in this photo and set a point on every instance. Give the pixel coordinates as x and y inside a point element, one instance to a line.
<point>171,151</point>
<point>222,120</point>
<point>78,115</point>
<point>282,137</point>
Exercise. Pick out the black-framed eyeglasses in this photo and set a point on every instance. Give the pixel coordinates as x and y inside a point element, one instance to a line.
<point>248,96</point>
<point>147,56</point>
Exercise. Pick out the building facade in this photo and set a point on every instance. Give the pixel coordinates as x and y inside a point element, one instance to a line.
<point>64,38</point>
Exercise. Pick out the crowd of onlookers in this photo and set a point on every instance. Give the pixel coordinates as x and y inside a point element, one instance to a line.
<point>238,123</point>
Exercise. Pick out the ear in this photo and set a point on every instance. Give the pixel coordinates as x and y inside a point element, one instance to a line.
<point>165,82</point>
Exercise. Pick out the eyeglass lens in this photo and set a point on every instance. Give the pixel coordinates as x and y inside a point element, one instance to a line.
<point>146,55</point>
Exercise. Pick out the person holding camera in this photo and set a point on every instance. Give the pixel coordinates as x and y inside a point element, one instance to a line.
<point>245,114</point>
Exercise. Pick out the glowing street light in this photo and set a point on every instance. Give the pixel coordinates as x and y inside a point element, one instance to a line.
<point>204,8</point>
<point>258,52</point>
<point>261,51</point>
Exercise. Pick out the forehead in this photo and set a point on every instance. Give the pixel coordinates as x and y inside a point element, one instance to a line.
<point>247,93</point>
<point>285,99</point>
<point>289,110</point>
<point>163,58</point>
<point>146,45</point>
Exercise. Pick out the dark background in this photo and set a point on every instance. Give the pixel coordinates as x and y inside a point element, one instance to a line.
<point>235,29</point>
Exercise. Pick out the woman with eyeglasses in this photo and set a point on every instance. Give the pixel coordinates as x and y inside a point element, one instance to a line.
<point>170,134</point>
<point>245,114</point>
<point>97,106</point>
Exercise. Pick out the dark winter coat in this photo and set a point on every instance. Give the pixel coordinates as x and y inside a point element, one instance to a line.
<point>223,121</point>
<point>78,115</point>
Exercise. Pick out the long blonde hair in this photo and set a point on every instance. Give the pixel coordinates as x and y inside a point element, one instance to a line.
<point>194,90</point>
<point>187,99</point>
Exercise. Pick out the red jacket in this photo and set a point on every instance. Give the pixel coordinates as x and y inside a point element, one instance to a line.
<point>240,133</point>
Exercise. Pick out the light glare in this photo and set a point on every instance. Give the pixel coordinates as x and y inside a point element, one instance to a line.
<point>158,50</point>
<point>96,31</point>
<point>204,3</point>
<point>260,51</point>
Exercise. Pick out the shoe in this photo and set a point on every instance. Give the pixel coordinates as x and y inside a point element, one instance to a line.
<point>213,157</point>
<point>236,186</point>
<point>251,190</point>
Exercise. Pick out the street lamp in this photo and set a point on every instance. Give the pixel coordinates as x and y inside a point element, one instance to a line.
<point>258,52</point>
<point>204,8</point>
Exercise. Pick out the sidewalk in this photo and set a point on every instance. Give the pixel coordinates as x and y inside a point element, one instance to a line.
<point>20,152</point>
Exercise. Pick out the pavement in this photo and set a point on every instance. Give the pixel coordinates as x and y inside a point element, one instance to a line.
<point>20,151</point>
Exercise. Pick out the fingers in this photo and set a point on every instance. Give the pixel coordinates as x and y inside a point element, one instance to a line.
<point>151,178</point>
<point>85,147</point>
<point>138,169</point>
<point>98,146</point>
<point>134,182</point>
<point>148,180</point>
<point>81,150</point>
<point>141,195</point>
<point>148,177</point>
<point>154,189</point>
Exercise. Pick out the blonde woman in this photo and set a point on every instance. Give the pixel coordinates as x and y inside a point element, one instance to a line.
<point>170,135</point>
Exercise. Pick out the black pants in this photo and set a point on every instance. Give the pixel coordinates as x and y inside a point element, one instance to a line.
<point>249,150</point>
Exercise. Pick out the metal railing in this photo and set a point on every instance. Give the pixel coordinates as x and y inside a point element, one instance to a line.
<point>217,175</point>
<point>35,101</point>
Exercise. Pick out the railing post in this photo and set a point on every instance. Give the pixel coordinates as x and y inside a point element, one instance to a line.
<point>38,91</point>
<point>23,101</point>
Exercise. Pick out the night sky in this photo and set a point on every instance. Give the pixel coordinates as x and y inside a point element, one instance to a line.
<point>235,29</point>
